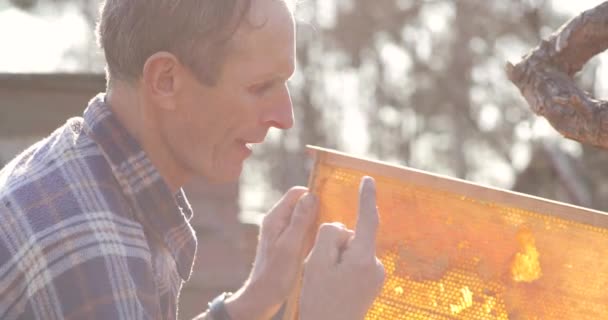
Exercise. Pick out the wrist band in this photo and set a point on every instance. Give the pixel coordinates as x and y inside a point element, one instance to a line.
<point>217,308</point>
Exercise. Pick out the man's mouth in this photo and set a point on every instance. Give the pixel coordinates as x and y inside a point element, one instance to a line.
<point>247,144</point>
<point>250,143</point>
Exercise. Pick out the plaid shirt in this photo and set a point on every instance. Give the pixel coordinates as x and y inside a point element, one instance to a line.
<point>89,229</point>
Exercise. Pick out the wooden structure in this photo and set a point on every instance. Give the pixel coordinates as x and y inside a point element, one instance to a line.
<point>34,105</point>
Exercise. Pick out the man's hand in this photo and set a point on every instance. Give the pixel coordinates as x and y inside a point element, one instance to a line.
<point>286,236</point>
<point>342,275</point>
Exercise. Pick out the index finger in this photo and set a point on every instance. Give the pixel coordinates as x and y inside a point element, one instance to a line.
<point>368,219</point>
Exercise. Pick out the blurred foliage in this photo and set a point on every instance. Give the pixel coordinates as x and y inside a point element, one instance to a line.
<point>24,4</point>
<point>427,78</point>
<point>421,83</point>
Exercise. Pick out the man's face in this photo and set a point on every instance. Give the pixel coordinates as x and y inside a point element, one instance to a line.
<point>212,131</point>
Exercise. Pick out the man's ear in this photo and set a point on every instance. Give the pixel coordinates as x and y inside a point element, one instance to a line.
<point>161,78</point>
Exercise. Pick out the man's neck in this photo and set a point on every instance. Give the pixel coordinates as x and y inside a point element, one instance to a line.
<point>139,118</point>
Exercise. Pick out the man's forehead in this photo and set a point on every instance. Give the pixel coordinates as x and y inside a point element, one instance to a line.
<point>268,21</point>
<point>266,14</point>
<point>261,10</point>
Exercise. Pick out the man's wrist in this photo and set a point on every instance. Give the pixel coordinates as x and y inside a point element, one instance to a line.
<point>217,307</point>
<point>247,304</point>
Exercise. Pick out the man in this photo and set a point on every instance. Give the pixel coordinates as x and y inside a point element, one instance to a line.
<point>94,224</point>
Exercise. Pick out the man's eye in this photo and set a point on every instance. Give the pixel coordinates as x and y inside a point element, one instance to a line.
<point>262,88</point>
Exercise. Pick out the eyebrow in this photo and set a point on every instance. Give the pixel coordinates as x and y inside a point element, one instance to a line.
<point>274,76</point>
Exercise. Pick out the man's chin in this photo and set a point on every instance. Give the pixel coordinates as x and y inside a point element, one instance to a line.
<point>223,175</point>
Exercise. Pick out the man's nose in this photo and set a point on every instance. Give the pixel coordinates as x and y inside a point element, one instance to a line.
<point>280,114</point>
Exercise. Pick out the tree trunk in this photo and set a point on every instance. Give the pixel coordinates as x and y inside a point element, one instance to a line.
<point>544,77</point>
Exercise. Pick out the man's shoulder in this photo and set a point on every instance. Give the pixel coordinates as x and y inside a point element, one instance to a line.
<point>67,169</point>
<point>65,226</point>
<point>66,144</point>
<point>63,186</point>
<point>61,210</point>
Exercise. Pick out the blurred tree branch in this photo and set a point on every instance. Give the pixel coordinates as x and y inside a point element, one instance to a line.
<point>29,4</point>
<point>24,4</point>
<point>544,78</point>
<point>568,175</point>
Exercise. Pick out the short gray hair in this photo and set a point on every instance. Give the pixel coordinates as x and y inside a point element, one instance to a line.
<point>198,32</point>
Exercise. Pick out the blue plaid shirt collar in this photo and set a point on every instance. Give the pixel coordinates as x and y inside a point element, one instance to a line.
<point>164,216</point>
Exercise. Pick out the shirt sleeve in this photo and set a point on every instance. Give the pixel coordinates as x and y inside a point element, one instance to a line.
<point>93,269</point>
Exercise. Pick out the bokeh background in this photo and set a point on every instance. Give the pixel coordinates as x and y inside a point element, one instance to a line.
<point>412,82</point>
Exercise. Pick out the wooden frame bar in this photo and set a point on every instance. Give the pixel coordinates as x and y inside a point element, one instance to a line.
<point>464,188</point>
